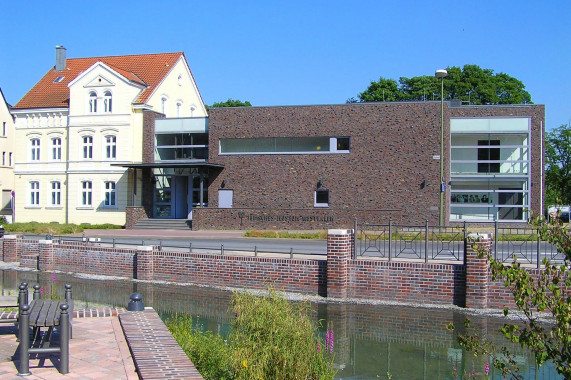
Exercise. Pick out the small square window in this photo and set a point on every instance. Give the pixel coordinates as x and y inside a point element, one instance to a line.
<point>321,198</point>
<point>342,143</point>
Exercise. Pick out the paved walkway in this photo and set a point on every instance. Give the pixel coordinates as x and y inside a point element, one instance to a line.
<point>100,350</point>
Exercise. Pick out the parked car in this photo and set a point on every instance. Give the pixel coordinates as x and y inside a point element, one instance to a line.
<point>561,212</point>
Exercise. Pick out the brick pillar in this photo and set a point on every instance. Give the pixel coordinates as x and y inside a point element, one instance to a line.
<point>144,262</point>
<point>477,271</point>
<point>10,254</point>
<point>46,256</point>
<point>338,254</point>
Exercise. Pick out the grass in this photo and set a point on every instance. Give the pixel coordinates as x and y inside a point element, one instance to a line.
<point>54,228</point>
<point>271,338</point>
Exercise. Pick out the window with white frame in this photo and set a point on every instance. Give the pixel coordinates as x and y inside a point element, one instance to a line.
<point>110,194</point>
<point>321,198</point>
<point>86,193</point>
<point>111,146</point>
<point>56,193</point>
<point>107,101</point>
<point>34,193</point>
<point>87,147</point>
<point>35,151</point>
<point>92,102</point>
<point>56,149</point>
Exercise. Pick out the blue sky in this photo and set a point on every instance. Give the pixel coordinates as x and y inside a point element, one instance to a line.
<point>300,52</point>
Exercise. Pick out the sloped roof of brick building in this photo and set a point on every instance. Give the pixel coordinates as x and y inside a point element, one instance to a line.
<point>146,69</point>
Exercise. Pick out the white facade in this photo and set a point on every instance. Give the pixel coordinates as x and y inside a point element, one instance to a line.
<point>6,159</point>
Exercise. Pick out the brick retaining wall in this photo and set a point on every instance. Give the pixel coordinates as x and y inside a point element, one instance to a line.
<point>339,276</point>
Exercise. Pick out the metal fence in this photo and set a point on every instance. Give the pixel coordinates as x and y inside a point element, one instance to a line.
<point>185,246</point>
<point>394,241</point>
<point>430,243</point>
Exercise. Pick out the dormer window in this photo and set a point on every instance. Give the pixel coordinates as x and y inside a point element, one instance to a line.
<point>92,102</point>
<point>107,101</point>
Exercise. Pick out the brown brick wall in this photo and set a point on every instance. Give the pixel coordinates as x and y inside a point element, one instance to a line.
<point>392,149</point>
<point>133,215</point>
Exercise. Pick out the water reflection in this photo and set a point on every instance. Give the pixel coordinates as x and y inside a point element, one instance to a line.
<point>370,340</point>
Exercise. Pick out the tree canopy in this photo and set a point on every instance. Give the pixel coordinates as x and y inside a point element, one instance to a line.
<point>471,84</point>
<point>232,103</point>
<point>558,165</point>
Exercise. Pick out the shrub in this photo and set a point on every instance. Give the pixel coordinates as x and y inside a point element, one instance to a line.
<point>270,339</point>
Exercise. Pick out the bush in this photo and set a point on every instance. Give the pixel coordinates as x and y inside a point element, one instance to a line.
<point>270,339</point>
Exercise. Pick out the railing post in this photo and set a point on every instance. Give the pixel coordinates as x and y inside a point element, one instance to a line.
<point>64,339</point>
<point>496,240</point>
<point>113,242</point>
<point>390,238</point>
<point>538,249</point>
<point>160,245</point>
<point>255,251</point>
<point>24,335</point>
<point>190,247</point>
<point>291,253</point>
<point>426,241</point>
<point>222,249</point>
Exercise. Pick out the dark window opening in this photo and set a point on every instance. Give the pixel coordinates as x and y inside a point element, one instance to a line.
<point>342,143</point>
<point>488,154</point>
<point>321,198</point>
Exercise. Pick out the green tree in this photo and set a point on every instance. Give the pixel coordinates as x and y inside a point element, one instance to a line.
<point>558,165</point>
<point>471,84</point>
<point>232,103</point>
<point>549,293</point>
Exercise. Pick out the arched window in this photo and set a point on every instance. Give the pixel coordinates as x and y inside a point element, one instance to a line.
<point>107,101</point>
<point>164,105</point>
<point>92,102</point>
<point>178,108</point>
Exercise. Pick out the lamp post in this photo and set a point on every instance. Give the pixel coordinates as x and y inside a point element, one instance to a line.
<point>441,74</point>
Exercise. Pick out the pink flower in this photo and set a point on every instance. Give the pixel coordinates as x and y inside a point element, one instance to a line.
<point>41,290</point>
<point>318,349</point>
<point>487,369</point>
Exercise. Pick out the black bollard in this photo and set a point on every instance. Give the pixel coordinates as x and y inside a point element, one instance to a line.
<point>64,339</point>
<point>24,335</point>
<point>67,293</point>
<point>23,295</point>
<point>136,302</point>
<point>37,295</point>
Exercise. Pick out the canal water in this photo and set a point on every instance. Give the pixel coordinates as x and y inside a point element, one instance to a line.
<point>370,341</point>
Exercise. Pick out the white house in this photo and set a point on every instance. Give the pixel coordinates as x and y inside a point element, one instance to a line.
<point>7,163</point>
<point>82,121</point>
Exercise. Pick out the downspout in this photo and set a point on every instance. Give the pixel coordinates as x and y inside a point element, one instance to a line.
<point>67,173</point>
<point>541,168</point>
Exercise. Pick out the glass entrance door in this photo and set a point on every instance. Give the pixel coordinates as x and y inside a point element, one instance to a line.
<point>177,194</point>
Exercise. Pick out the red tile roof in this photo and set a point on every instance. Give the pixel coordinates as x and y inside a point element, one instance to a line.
<point>148,69</point>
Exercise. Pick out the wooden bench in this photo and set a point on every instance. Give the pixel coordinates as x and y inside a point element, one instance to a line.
<point>45,314</point>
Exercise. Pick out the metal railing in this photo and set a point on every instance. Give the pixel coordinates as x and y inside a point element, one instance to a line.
<point>181,246</point>
<point>424,242</point>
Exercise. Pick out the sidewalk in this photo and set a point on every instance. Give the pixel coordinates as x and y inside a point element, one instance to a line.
<point>162,234</point>
<point>98,350</point>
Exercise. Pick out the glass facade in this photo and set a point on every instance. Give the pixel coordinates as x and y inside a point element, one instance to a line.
<point>490,169</point>
<point>181,146</point>
<point>284,145</point>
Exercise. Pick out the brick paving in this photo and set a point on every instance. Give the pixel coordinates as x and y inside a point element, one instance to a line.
<point>99,349</point>
<point>155,352</point>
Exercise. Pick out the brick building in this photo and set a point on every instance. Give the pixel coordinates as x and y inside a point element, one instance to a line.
<point>315,167</point>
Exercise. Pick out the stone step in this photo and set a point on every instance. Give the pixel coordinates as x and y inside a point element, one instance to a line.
<point>163,224</point>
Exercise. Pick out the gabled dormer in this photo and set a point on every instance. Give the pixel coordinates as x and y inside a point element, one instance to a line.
<point>102,90</point>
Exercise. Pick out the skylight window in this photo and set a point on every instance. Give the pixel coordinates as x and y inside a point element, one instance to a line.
<point>58,79</point>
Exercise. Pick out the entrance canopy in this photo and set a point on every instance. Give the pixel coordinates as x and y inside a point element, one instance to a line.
<point>153,165</point>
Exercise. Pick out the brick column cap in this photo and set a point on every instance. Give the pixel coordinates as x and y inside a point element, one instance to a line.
<point>10,237</point>
<point>338,232</point>
<point>45,241</point>
<point>146,248</point>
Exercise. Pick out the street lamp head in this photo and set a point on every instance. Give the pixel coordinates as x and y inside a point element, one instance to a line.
<point>440,73</point>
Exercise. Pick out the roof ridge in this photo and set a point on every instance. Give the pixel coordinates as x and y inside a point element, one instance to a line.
<point>127,55</point>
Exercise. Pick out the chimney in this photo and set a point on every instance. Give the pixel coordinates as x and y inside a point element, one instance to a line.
<point>60,58</point>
